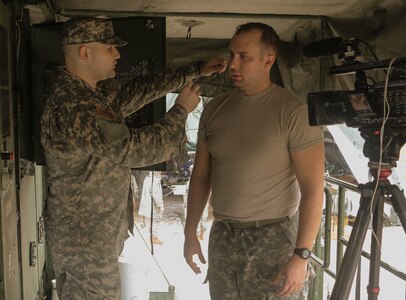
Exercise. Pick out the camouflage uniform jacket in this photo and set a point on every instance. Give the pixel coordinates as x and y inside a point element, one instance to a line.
<point>89,152</point>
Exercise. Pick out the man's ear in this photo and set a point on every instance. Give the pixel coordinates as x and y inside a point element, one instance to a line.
<point>269,60</point>
<point>84,52</point>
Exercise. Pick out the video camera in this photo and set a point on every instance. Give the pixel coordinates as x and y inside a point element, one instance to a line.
<point>364,106</point>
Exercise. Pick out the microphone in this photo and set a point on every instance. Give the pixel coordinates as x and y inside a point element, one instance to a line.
<point>323,47</point>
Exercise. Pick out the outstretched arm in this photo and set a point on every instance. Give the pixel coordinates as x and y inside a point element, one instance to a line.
<point>199,191</point>
<point>133,94</point>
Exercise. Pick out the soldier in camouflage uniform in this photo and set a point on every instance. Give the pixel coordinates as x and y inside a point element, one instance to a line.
<point>152,199</point>
<point>259,159</point>
<point>90,152</point>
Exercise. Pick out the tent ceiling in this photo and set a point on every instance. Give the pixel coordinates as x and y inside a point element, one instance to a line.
<point>218,18</point>
<point>308,7</point>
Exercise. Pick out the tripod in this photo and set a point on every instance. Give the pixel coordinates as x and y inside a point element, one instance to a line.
<point>368,203</point>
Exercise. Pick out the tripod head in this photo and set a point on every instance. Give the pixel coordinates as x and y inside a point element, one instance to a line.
<point>393,140</point>
<point>384,172</point>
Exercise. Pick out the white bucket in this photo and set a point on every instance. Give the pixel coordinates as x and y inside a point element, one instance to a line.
<point>134,283</point>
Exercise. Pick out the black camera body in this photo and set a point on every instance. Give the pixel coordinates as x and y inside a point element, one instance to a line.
<point>363,107</point>
<point>367,107</point>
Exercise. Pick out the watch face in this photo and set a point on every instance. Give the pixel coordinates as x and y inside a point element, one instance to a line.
<point>303,252</point>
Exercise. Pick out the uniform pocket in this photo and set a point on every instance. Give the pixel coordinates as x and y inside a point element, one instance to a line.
<point>289,228</point>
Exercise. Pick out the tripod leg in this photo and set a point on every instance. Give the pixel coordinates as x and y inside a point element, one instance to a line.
<point>399,204</point>
<point>345,275</point>
<point>376,241</point>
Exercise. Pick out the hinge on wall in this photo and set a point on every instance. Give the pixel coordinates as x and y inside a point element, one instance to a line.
<point>41,230</point>
<point>33,254</point>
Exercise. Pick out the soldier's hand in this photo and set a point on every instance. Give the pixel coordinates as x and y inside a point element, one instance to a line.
<point>213,65</point>
<point>291,276</point>
<point>192,247</point>
<point>188,98</point>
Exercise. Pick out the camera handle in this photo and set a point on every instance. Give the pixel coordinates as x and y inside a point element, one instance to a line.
<point>360,83</point>
<point>369,205</point>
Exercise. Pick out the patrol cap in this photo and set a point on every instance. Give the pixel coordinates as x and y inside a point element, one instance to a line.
<point>81,30</point>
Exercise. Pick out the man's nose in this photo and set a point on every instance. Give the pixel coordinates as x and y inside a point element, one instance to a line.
<point>116,54</point>
<point>233,63</point>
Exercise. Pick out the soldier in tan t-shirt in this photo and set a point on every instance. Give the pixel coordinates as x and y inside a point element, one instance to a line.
<point>263,165</point>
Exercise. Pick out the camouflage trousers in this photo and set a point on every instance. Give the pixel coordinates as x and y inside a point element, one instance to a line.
<point>158,216</point>
<point>93,275</point>
<point>243,262</point>
<point>86,265</point>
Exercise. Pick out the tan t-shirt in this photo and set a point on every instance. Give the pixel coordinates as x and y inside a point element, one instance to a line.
<point>250,139</point>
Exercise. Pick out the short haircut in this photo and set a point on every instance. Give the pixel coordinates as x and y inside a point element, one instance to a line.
<point>269,36</point>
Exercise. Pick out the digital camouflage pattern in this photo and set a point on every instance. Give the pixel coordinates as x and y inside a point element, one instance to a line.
<point>242,263</point>
<point>84,30</point>
<point>152,194</point>
<point>89,152</point>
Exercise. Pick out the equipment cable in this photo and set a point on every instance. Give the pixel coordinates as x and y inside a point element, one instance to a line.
<point>386,112</point>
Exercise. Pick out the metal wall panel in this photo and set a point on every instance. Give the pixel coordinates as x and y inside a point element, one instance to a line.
<point>10,282</point>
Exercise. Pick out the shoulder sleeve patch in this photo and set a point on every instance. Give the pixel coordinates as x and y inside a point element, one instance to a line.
<point>105,113</point>
<point>113,132</point>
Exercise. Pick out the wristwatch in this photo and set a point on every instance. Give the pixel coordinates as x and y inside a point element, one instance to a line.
<point>303,252</point>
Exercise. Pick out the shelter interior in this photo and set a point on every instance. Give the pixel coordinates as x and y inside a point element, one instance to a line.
<point>165,33</point>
